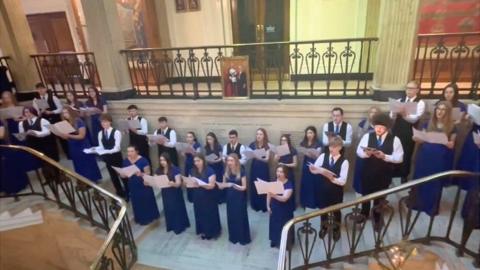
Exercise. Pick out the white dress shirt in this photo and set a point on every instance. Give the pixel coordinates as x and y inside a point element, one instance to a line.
<point>242,158</point>
<point>348,136</point>
<point>118,140</point>
<point>173,137</point>
<point>55,100</point>
<point>412,118</point>
<point>143,125</point>
<point>395,157</point>
<point>44,124</point>
<point>342,178</point>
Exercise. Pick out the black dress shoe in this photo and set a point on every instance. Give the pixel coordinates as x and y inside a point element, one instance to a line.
<point>323,232</point>
<point>336,234</point>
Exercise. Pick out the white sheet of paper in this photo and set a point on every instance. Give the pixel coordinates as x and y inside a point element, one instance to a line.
<point>157,181</point>
<point>282,150</point>
<point>42,104</point>
<point>456,114</point>
<point>257,153</point>
<point>20,136</point>
<point>327,173</point>
<point>127,171</point>
<point>431,137</point>
<point>474,112</point>
<point>211,158</point>
<point>189,182</point>
<point>160,139</point>
<point>134,124</point>
<point>184,147</point>
<point>90,110</point>
<point>89,151</point>
<point>11,112</point>
<point>62,127</point>
<point>222,185</point>
<point>264,187</point>
<point>309,151</point>
<point>122,125</point>
<point>398,107</point>
<point>476,138</point>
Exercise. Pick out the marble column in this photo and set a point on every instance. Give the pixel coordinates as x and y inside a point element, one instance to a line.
<point>397,33</point>
<point>16,41</point>
<point>106,39</point>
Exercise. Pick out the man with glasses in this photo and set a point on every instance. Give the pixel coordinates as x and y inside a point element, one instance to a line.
<point>402,128</point>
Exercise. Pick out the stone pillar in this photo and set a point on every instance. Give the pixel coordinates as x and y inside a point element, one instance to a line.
<point>17,42</point>
<point>397,35</point>
<point>105,39</point>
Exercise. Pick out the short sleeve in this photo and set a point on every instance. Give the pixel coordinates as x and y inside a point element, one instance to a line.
<point>142,163</point>
<point>252,145</point>
<point>288,185</point>
<point>210,172</point>
<point>293,151</point>
<point>102,101</point>
<point>175,171</point>
<point>79,123</point>
<point>242,172</point>
<point>126,163</point>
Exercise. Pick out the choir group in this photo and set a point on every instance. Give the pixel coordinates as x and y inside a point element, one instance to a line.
<point>385,148</point>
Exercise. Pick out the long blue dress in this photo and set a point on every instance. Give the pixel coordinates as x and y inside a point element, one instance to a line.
<point>309,181</point>
<point>470,161</point>
<point>258,169</point>
<point>237,216</point>
<point>188,169</point>
<point>176,217</point>
<point>29,162</point>
<point>282,212</point>
<point>426,197</point>
<point>145,209</point>
<point>360,162</point>
<point>95,125</point>
<point>205,207</point>
<point>14,165</point>
<point>84,164</point>
<point>219,169</point>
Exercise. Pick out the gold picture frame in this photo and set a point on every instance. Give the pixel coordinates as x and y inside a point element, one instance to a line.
<point>235,74</point>
<point>193,5</point>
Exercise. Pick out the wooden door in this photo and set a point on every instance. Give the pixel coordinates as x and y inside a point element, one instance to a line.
<point>51,32</point>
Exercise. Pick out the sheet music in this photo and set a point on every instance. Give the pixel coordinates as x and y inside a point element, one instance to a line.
<point>430,137</point>
<point>11,112</point>
<point>264,187</point>
<point>399,107</point>
<point>281,150</point>
<point>157,181</point>
<point>90,110</point>
<point>160,139</point>
<point>476,138</point>
<point>89,150</point>
<point>185,147</point>
<point>61,128</point>
<point>192,182</point>
<point>456,114</point>
<point>20,136</point>
<point>127,171</point>
<point>312,152</point>
<point>211,158</point>
<point>325,172</point>
<point>223,185</point>
<point>257,153</point>
<point>474,112</point>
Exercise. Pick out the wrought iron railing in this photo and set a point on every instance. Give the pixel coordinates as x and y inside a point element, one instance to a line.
<point>5,71</point>
<point>306,253</point>
<point>64,72</point>
<point>73,192</point>
<point>444,58</point>
<point>303,69</point>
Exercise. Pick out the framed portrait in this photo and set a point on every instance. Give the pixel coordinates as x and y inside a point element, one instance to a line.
<point>180,5</point>
<point>193,5</point>
<point>235,77</point>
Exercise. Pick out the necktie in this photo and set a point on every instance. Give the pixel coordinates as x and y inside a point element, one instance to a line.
<point>336,129</point>
<point>379,141</point>
<point>408,100</point>
<point>105,134</point>
<point>332,162</point>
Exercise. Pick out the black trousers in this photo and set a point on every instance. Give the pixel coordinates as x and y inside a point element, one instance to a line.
<point>366,208</point>
<point>337,216</point>
<point>116,160</point>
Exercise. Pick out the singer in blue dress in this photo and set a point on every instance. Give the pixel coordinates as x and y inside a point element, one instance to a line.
<point>426,197</point>
<point>364,126</point>
<point>236,191</point>
<point>84,164</point>
<point>259,169</point>
<point>281,209</point>
<point>309,181</point>
<point>212,146</point>
<point>191,139</point>
<point>205,206</point>
<point>176,217</point>
<point>95,100</point>
<point>290,160</point>
<point>145,209</point>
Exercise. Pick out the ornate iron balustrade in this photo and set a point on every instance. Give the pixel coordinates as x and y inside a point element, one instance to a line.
<point>305,69</point>
<point>444,58</point>
<point>64,72</point>
<point>382,238</point>
<point>73,192</point>
<point>5,71</point>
